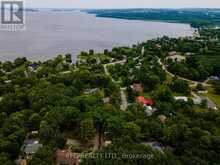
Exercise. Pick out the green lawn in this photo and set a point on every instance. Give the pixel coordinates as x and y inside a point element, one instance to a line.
<point>178,94</point>
<point>169,79</point>
<point>102,57</point>
<point>146,95</point>
<point>200,109</point>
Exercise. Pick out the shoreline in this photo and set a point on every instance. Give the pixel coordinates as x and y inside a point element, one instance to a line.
<point>119,39</point>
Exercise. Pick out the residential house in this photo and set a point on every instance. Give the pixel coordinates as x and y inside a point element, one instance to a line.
<point>176,58</point>
<point>147,104</point>
<point>181,98</point>
<point>31,146</point>
<point>214,78</point>
<point>158,46</point>
<point>33,66</point>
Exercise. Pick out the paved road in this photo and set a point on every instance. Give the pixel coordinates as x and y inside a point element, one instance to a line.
<point>113,63</point>
<point>124,102</point>
<point>98,61</point>
<point>106,70</point>
<point>193,83</point>
<point>117,62</point>
<point>198,100</point>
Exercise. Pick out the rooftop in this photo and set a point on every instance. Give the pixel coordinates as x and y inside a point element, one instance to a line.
<point>177,58</point>
<point>34,65</point>
<point>216,78</point>
<point>172,53</point>
<point>142,100</point>
<point>32,148</point>
<point>181,98</point>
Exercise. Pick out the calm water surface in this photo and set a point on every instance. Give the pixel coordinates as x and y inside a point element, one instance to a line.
<point>48,34</point>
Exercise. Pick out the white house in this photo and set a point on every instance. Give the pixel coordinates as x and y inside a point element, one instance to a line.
<point>176,58</point>
<point>181,98</point>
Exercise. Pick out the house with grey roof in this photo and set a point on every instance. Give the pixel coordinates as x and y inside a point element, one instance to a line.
<point>214,78</point>
<point>30,147</point>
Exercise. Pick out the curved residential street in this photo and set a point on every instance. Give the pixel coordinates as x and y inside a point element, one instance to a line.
<point>124,102</point>
<point>193,83</point>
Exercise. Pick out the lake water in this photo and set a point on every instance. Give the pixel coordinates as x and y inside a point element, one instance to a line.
<point>48,34</point>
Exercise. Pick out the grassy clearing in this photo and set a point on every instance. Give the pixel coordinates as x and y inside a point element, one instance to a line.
<point>146,95</point>
<point>169,79</point>
<point>177,94</point>
<point>200,109</point>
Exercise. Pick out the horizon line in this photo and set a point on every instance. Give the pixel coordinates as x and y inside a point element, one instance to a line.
<point>122,8</point>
